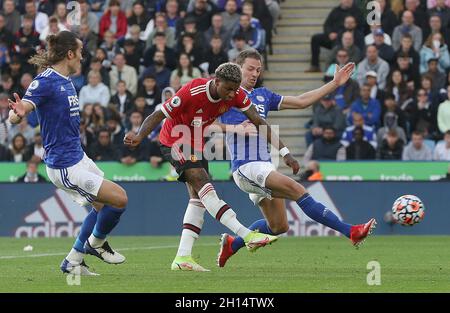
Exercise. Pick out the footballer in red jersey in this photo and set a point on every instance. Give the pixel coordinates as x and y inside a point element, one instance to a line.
<point>195,106</point>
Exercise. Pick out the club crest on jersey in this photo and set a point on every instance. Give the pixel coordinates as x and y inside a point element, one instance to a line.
<point>175,102</point>
<point>34,84</point>
<point>222,109</point>
<point>193,158</point>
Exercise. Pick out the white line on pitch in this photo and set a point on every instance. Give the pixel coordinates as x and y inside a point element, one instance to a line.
<point>7,257</point>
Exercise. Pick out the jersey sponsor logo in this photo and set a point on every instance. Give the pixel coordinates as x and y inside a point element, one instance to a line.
<point>175,102</point>
<point>34,84</point>
<point>62,88</point>
<point>56,216</point>
<point>260,98</point>
<point>199,111</point>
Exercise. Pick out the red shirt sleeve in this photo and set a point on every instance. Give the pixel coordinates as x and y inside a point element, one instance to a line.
<point>242,102</point>
<point>174,106</point>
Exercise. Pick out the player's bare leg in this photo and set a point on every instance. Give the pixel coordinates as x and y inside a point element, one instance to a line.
<point>276,222</point>
<point>287,188</point>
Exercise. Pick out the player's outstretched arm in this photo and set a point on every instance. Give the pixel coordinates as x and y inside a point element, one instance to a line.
<point>341,76</point>
<point>19,108</point>
<point>151,122</point>
<point>265,130</point>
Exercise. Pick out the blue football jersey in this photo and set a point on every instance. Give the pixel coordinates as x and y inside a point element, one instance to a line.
<point>244,150</point>
<point>56,102</point>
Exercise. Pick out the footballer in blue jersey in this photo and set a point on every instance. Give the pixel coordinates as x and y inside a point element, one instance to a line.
<point>55,100</point>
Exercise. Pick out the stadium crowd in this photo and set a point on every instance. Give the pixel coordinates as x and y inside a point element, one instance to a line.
<point>397,104</point>
<point>136,55</point>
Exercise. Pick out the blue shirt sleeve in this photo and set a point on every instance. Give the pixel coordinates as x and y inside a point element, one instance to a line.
<point>37,91</point>
<point>274,100</point>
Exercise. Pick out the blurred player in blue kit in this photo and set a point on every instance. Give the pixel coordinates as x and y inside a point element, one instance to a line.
<point>55,100</point>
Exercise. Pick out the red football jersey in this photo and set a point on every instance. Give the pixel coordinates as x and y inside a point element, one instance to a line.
<point>192,109</point>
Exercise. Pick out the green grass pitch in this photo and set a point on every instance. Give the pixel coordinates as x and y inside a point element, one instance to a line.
<point>407,263</point>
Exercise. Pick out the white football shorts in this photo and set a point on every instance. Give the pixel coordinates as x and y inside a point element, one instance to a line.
<point>81,181</point>
<point>251,178</point>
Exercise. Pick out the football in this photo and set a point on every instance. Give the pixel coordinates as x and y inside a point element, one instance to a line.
<point>408,210</point>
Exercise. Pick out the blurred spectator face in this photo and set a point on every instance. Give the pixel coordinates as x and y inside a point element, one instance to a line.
<point>88,109</point>
<point>201,5</point>
<point>109,38</point>
<point>382,4</point>
<point>160,22</point>
<point>397,77</point>
<point>61,11</point>
<point>417,141</point>
<point>53,25</point>
<point>365,93</point>
<point>129,48</point>
<point>112,124</point>
<point>231,6</point>
<point>346,4</point>
<point>30,8</point>
<point>135,32</point>
<point>184,61</point>
<point>372,53</point>
<point>96,66</point>
<point>84,30</point>
<point>160,41</point>
<point>100,54</point>
<point>347,39</point>
<point>408,18</point>
<point>18,142</point>
<point>8,6</point>
<point>350,23</point>
<point>98,110</point>
<point>411,5</point>
<point>84,8</point>
<point>159,58</point>
<point>26,80</point>
<point>422,96</point>
<point>247,8</point>
<point>3,102</point>
<point>244,21</point>
<point>433,66</point>
<point>327,103</point>
<point>406,43</point>
<point>403,63</point>
<point>168,94</point>
<point>172,7</point>
<point>440,3</point>
<point>358,134</point>
<point>94,79</point>
<point>358,120</point>
<point>190,28</point>
<point>216,44</point>
<point>38,139</point>
<point>217,21</point>
<point>149,83</point>
<point>32,168</point>
<point>328,134</point>
<point>239,43</point>
<point>188,42</point>
<point>390,104</point>
<point>136,118</point>
<point>119,60</point>
<point>391,139</point>
<point>140,103</point>
<point>27,25</point>
<point>379,39</point>
<point>104,139</point>
<point>138,9</point>
<point>435,23</point>
<point>426,83</point>
<point>121,87</point>
<point>114,9</point>
<point>342,57</point>
<point>372,81</point>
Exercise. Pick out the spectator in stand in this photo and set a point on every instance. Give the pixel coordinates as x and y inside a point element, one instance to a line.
<point>333,24</point>
<point>122,101</point>
<point>239,45</point>
<point>114,20</point>
<point>189,47</point>
<point>342,58</point>
<point>391,147</point>
<point>407,27</point>
<point>230,16</point>
<point>350,25</point>
<point>159,70</point>
<point>22,128</point>
<point>436,26</point>
<point>252,36</point>
<point>35,150</point>
<point>121,71</point>
<point>443,115</point>
<point>390,105</point>
<point>139,17</point>
<point>442,149</point>
<point>95,91</point>
<point>442,10</point>
<point>359,148</point>
<point>420,16</point>
<point>202,15</point>
<point>190,28</point>
<point>27,34</point>
<point>368,107</point>
<point>88,38</point>
<point>88,17</point>
<point>390,121</point>
<point>184,73</point>
<point>131,54</point>
<point>40,19</point>
<point>5,154</point>
<point>385,51</point>
<point>388,18</point>
<point>369,133</point>
<point>435,48</point>
<point>327,147</point>
<point>150,91</point>
<point>426,82</point>
<point>410,74</point>
<point>139,106</point>
<point>215,55</point>
<point>172,13</point>
<point>354,53</point>
<point>416,150</point>
<point>61,14</point>
<point>12,16</point>
<point>134,36</point>
<point>312,172</point>
<point>436,75</point>
<point>373,62</point>
<point>160,44</point>
<point>407,49</point>
<point>18,148</point>
<point>375,92</point>
<point>397,87</point>
<point>217,29</point>
<point>116,129</point>
<point>32,175</point>
<point>370,38</point>
<point>96,65</point>
<point>130,157</point>
<point>161,27</point>
<point>325,113</point>
<point>109,45</point>
<point>104,149</point>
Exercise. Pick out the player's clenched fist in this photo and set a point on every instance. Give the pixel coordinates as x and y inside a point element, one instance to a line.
<point>292,163</point>
<point>132,140</point>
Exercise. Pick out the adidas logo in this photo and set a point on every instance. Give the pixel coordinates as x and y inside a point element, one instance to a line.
<point>57,216</point>
<point>63,89</point>
<point>199,111</point>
